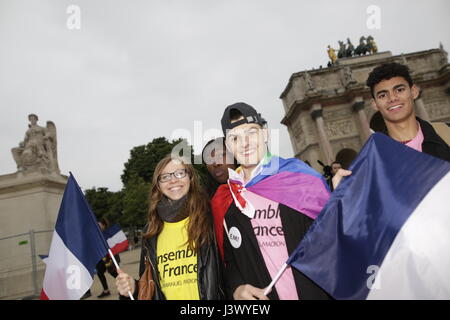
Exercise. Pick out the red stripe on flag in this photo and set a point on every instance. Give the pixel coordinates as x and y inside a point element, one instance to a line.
<point>43,295</point>
<point>123,246</point>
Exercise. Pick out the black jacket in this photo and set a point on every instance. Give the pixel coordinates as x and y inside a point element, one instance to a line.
<point>209,279</point>
<point>245,265</point>
<point>432,142</point>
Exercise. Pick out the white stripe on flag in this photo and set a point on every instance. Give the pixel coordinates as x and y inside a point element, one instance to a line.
<point>66,278</point>
<point>418,262</point>
<point>117,238</point>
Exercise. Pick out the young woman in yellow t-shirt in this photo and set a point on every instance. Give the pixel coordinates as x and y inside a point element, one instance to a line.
<point>179,238</point>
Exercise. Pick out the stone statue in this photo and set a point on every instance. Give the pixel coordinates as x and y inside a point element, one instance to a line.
<point>403,59</point>
<point>371,45</point>
<point>38,150</point>
<point>341,52</point>
<point>444,56</point>
<point>309,84</point>
<point>350,48</point>
<point>348,77</point>
<point>332,54</point>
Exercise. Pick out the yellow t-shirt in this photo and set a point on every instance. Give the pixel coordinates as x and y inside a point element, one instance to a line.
<point>177,265</point>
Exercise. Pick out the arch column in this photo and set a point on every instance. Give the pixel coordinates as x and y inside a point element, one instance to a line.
<point>325,146</point>
<point>420,110</point>
<point>419,107</point>
<point>358,108</point>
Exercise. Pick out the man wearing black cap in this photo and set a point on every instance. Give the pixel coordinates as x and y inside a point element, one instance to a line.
<point>263,212</point>
<point>241,121</point>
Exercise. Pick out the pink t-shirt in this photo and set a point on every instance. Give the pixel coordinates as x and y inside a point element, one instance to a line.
<point>270,236</point>
<point>416,143</point>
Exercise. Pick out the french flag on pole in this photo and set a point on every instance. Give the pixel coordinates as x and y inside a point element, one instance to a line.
<point>116,239</point>
<point>385,232</point>
<point>77,245</point>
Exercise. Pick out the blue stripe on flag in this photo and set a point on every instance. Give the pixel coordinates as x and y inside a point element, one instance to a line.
<point>77,227</point>
<point>356,228</point>
<point>111,231</point>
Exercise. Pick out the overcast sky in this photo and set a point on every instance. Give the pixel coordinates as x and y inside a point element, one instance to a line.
<point>137,70</point>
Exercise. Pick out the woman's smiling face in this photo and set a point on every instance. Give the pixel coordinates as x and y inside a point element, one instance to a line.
<point>176,187</point>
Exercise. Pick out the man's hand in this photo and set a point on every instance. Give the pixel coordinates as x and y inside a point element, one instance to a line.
<point>338,177</point>
<point>249,292</point>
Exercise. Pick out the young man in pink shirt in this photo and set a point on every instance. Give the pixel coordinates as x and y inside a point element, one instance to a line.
<point>393,93</point>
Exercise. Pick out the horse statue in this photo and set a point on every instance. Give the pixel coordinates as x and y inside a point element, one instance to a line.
<point>350,48</point>
<point>341,52</point>
<point>362,48</point>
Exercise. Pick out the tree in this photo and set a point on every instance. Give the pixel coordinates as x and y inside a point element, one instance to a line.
<point>143,159</point>
<point>129,207</point>
<point>135,202</point>
<point>105,203</point>
<point>116,207</point>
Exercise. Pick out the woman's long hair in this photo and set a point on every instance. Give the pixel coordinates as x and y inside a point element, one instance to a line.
<point>196,206</point>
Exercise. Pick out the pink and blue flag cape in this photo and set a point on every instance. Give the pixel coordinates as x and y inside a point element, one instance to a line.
<point>293,183</point>
<point>385,232</point>
<point>116,239</point>
<point>77,245</point>
<point>290,182</point>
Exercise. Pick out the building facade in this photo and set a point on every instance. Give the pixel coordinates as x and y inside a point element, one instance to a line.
<point>328,111</point>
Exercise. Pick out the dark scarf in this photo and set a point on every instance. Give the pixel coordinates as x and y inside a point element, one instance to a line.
<point>172,210</point>
<point>211,187</point>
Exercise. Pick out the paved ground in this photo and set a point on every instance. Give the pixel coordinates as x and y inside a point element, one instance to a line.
<point>129,263</point>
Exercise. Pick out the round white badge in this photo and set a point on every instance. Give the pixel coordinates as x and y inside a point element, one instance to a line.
<point>235,237</point>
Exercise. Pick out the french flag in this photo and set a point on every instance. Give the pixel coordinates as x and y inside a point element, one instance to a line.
<point>385,232</point>
<point>116,239</point>
<point>77,245</point>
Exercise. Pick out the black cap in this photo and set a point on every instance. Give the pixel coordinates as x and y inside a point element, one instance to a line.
<point>248,112</point>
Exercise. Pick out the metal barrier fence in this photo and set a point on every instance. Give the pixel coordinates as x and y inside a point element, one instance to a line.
<point>21,267</point>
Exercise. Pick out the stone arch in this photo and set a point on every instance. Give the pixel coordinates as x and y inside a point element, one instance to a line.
<point>346,156</point>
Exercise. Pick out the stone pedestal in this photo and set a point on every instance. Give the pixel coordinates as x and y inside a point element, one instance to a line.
<point>27,202</point>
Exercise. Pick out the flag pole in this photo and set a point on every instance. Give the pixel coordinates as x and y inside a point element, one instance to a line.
<point>117,267</point>
<point>280,272</point>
